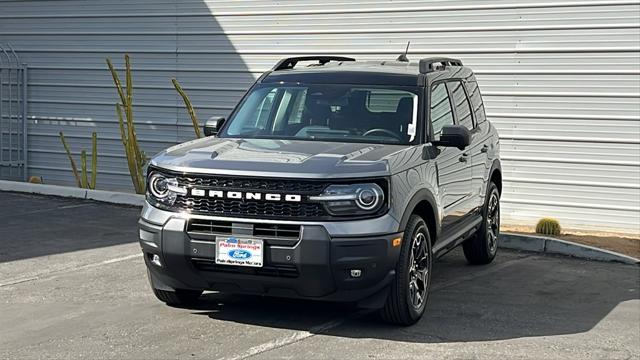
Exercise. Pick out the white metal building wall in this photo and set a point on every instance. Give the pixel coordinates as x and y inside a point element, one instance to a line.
<point>561,80</point>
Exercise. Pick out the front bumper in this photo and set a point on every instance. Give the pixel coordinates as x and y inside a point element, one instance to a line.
<point>317,266</point>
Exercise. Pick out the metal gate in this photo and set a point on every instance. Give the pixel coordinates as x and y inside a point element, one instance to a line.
<point>13,115</point>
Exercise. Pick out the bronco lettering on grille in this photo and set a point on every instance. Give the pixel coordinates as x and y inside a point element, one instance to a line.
<point>238,195</point>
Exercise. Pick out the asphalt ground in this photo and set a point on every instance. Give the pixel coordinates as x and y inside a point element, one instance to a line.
<point>73,285</point>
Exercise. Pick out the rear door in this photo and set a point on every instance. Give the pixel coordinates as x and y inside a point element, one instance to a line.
<point>454,167</point>
<point>483,142</point>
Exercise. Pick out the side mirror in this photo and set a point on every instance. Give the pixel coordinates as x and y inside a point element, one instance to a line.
<point>213,125</point>
<point>454,136</point>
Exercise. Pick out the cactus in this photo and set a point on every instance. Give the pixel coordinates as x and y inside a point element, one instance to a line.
<point>136,158</point>
<point>190,109</point>
<point>36,180</point>
<point>82,179</point>
<point>94,160</point>
<point>74,168</point>
<point>548,226</point>
<point>83,164</point>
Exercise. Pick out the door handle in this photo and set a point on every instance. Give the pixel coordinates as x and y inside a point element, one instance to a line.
<point>463,157</point>
<point>485,148</point>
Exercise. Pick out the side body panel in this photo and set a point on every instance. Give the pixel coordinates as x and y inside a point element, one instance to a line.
<point>453,175</point>
<point>481,154</point>
<point>485,147</point>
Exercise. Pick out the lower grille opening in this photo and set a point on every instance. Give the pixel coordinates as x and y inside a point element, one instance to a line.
<point>213,227</point>
<point>277,231</point>
<point>288,271</point>
<point>272,234</point>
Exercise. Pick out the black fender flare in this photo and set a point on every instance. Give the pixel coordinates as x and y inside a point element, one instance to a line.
<point>496,166</point>
<point>419,196</point>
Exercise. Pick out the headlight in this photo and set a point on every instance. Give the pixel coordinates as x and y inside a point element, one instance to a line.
<point>353,199</point>
<point>163,189</point>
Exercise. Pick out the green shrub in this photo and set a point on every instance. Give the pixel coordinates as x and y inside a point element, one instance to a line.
<point>548,226</point>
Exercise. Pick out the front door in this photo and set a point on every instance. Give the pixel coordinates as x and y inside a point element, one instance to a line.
<point>454,165</point>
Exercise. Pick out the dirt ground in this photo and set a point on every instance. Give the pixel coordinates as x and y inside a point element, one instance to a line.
<point>621,243</point>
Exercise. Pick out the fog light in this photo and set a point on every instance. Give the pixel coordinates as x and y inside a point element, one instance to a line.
<point>356,273</point>
<point>155,259</point>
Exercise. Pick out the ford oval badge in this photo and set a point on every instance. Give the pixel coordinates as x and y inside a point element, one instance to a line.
<point>240,254</point>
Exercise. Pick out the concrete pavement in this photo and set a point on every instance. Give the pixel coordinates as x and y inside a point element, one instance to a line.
<point>72,285</point>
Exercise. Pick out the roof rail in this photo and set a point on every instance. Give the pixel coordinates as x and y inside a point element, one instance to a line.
<point>426,64</point>
<point>290,63</point>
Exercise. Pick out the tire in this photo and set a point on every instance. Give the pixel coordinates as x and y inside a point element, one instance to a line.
<point>178,298</point>
<point>482,247</point>
<point>409,291</point>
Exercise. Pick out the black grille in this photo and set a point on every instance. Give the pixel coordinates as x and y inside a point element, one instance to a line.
<point>252,208</point>
<point>249,184</point>
<point>227,207</point>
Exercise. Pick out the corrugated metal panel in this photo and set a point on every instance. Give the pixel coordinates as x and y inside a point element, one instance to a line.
<point>561,80</point>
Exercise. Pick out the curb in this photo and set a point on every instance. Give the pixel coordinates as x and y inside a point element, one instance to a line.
<point>112,197</point>
<point>548,245</point>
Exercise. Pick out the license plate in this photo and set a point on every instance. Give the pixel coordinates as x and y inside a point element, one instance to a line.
<point>239,251</point>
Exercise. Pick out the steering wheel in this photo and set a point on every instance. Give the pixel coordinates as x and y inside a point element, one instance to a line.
<point>384,131</point>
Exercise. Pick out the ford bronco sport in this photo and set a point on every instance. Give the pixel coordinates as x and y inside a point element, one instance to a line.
<point>341,180</point>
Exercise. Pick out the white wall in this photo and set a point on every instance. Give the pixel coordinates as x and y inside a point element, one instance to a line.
<point>561,80</point>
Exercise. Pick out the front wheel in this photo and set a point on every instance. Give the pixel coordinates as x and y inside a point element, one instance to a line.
<point>410,289</point>
<point>482,247</point>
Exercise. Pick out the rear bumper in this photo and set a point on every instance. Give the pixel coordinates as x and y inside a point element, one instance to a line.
<point>318,266</point>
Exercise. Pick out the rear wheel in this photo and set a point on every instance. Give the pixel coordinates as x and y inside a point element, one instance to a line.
<point>410,289</point>
<point>483,246</point>
<point>178,297</point>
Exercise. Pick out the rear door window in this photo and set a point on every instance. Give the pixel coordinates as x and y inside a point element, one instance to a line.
<point>461,102</point>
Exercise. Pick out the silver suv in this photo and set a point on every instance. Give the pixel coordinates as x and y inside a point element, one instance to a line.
<point>341,180</point>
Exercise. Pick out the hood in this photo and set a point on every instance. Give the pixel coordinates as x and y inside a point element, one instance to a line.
<point>283,158</point>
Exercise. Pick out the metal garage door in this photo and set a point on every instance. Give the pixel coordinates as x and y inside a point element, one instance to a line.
<point>561,80</point>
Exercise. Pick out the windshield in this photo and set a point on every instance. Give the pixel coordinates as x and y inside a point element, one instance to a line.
<point>323,112</point>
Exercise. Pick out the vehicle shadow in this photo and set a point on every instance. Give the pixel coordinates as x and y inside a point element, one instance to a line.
<point>518,296</point>
<point>34,225</point>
